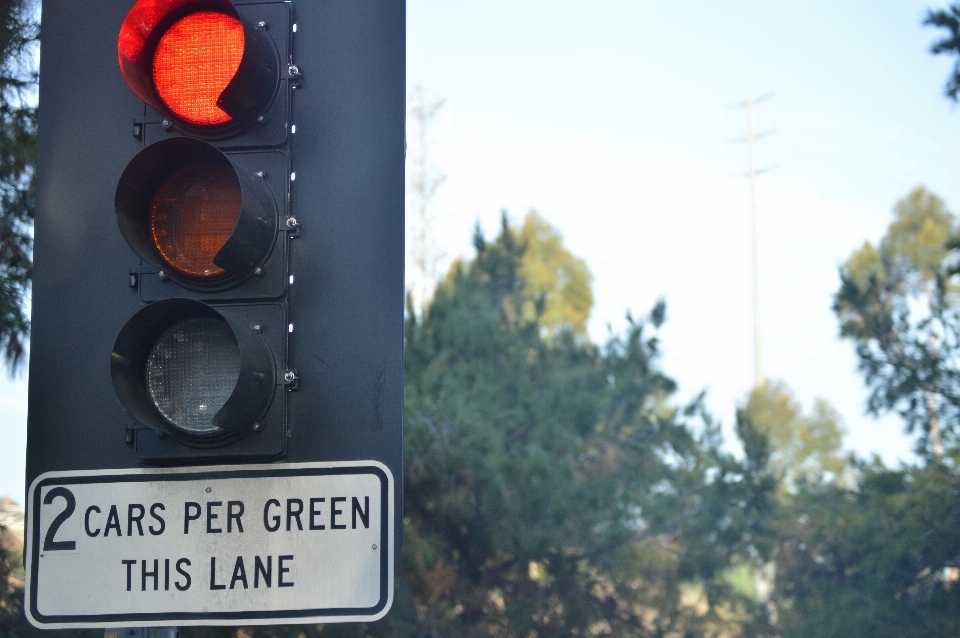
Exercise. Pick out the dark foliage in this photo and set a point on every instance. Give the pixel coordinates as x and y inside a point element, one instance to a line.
<point>948,19</point>
<point>19,33</point>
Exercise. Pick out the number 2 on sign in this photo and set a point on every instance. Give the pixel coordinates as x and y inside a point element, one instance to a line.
<point>49,544</point>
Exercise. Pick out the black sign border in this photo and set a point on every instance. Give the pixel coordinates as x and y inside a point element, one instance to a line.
<point>194,617</point>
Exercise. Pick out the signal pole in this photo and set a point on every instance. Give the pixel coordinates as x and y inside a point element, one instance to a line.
<point>751,174</point>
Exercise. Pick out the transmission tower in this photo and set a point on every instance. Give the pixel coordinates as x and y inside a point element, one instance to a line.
<point>751,174</point>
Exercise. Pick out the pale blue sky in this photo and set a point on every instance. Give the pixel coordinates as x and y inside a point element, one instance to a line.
<point>610,119</point>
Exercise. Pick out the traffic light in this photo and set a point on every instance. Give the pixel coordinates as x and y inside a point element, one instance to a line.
<point>218,273</point>
<point>201,63</point>
<point>198,367</point>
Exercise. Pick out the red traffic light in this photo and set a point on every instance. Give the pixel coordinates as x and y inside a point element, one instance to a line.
<point>194,62</point>
<point>198,62</point>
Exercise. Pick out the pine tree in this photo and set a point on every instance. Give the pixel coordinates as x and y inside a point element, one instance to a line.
<point>19,34</point>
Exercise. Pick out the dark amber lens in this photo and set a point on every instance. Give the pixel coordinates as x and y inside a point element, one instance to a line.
<point>194,61</point>
<point>192,216</point>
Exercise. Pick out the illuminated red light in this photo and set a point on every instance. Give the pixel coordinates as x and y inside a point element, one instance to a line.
<point>194,62</point>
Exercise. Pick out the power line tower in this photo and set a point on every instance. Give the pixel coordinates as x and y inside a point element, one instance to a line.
<point>424,178</point>
<point>751,174</point>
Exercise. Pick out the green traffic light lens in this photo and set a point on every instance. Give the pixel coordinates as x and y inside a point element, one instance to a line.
<point>192,369</point>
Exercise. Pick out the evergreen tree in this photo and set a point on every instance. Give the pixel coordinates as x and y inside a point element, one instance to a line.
<point>19,33</point>
<point>948,19</point>
<point>882,560</point>
<point>897,304</point>
<point>550,485</point>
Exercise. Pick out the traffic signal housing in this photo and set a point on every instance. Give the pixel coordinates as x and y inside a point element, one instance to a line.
<point>194,301</point>
<point>198,367</point>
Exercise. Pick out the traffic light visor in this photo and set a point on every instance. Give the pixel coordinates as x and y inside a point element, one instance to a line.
<point>198,62</point>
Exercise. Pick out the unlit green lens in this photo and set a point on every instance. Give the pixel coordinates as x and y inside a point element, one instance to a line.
<point>192,370</point>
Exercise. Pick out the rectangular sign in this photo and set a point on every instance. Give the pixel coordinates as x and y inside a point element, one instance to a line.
<point>251,544</point>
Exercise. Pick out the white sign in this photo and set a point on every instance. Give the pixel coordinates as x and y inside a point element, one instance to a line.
<point>227,545</point>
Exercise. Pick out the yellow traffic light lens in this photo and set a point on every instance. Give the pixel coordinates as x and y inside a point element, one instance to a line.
<point>192,215</point>
<point>192,369</point>
<point>194,62</point>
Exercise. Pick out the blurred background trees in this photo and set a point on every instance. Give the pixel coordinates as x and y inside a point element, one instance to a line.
<point>19,34</point>
<point>551,488</point>
<point>898,304</point>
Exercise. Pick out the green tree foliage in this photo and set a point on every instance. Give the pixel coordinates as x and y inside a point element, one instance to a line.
<point>948,19</point>
<point>881,557</point>
<point>805,449</point>
<point>878,561</point>
<point>551,488</point>
<point>556,283</point>
<point>897,305</point>
<point>19,32</point>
